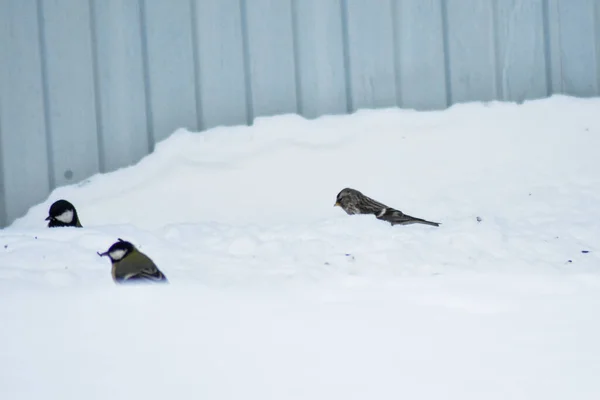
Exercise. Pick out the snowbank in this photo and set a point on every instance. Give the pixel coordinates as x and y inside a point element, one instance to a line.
<point>277,294</point>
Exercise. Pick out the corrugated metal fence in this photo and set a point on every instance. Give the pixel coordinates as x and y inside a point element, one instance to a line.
<point>89,86</point>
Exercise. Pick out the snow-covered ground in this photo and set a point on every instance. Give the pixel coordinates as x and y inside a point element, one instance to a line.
<point>276,294</point>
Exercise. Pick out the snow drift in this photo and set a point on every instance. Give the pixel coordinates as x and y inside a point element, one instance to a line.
<point>277,294</point>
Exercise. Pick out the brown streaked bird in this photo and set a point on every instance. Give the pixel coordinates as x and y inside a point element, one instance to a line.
<point>129,265</point>
<point>354,202</point>
<point>62,213</point>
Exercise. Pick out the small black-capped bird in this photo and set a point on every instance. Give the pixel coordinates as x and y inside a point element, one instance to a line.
<point>354,202</point>
<point>129,265</point>
<point>62,213</point>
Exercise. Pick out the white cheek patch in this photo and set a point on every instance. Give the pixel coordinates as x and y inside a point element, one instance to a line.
<point>66,217</point>
<point>117,254</point>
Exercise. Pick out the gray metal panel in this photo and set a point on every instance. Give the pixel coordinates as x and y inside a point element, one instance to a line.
<point>271,56</point>
<point>371,53</point>
<point>23,152</point>
<point>420,54</point>
<point>520,57</point>
<point>67,52</point>
<point>170,63</point>
<point>471,55</point>
<point>577,48</point>
<point>220,62</point>
<point>120,92</point>
<point>319,57</point>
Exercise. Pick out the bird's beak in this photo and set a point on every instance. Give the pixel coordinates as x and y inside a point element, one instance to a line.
<point>48,218</point>
<point>102,254</point>
<point>337,204</point>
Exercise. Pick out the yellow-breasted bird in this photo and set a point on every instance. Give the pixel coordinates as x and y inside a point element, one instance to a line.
<point>129,265</point>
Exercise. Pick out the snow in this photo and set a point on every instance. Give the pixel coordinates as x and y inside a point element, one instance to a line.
<point>276,294</point>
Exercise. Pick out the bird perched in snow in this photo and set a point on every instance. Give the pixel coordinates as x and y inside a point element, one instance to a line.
<point>62,213</point>
<point>129,265</point>
<point>354,202</point>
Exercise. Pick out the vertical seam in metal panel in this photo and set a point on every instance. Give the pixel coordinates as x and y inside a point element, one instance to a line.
<point>346,52</point>
<point>146,71</point>
<point>3,195</point>
<point>547,46</point>
<point>196,57</point>
<point>296,48</point>
<point>246,59</point>
<point>556,40</point>
<point>397,51</point>
<point>498,63</point>
<point>46,94</point>
<point>596,20</point>
<point>559,45</point>
<point>3,215</point>
<point>97,94</point>
<point>446,44</point>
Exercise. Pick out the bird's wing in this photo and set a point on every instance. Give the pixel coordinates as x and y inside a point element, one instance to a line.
<point>372,206</point>
<point>146,275</point>
<point>139,267</point>
<point>396,217</point>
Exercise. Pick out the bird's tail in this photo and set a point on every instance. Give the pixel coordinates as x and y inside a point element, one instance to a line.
<point>396,217</point>
<point>423,221</point>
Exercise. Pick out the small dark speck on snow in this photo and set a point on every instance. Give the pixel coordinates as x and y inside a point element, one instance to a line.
<point>585,251</point>
<point>570,261</point>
